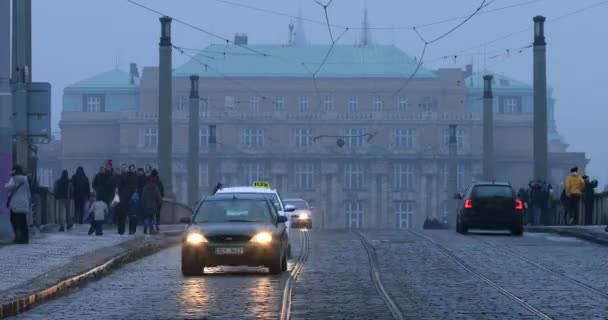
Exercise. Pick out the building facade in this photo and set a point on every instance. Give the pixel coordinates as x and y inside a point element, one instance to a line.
<point>276,122</point>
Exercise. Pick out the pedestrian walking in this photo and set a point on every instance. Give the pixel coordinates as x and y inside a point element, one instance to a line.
<point>588,197</point>
<point>134,212</point>
<point>20,204</point>
<point>63,191</point>
<point>574,186</point>
<point>162,195</point>
<point>127,185</point>
<point>82,191</point>
<point>151,202</point>
<point>538,201</point>
<point>97,215</point>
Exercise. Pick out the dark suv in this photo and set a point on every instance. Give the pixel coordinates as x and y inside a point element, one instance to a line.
<point>490,205</point>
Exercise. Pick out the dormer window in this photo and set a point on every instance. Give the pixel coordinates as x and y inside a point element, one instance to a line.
<point>510,105</point>
<point>94,103</point>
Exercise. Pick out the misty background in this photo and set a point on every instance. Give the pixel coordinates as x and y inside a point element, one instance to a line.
<point>77,39</point>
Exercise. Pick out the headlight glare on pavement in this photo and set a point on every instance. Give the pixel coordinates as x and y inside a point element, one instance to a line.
<point>262,238</point>
<point>195,238</point>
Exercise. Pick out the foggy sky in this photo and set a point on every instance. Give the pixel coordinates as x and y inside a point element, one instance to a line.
<point>76,39</point>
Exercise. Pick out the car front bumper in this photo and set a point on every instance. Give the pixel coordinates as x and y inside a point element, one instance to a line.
<point>252,254</point>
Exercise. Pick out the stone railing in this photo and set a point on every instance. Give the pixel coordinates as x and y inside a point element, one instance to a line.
<point>599,216</point>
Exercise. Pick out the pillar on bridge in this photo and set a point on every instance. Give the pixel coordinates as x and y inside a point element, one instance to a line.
<point>6,111</point>
<point>165,111</point>
<point>488,129</point>
<point>452,178</point>
<point>212,161</point>
<point>193,142</point>
<point>541,150</point>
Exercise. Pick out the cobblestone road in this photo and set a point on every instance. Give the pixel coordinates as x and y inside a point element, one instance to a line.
<point>335,282</point>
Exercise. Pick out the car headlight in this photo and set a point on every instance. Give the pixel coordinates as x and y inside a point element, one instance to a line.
<point>262,238</point>
<point>195,238</point>
<point>303,216</point>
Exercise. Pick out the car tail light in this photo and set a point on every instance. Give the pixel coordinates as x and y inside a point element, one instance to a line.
<point>519,205</point>
<point>468,204</point>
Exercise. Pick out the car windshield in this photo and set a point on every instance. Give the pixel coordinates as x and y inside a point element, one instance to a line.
<point>493,191</point>
<point>237,210</point>
<point>270,196</point>
<point>299,204</point>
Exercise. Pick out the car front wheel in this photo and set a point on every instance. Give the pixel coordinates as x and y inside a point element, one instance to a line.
<point>191,266</point>
<point>276,264</point>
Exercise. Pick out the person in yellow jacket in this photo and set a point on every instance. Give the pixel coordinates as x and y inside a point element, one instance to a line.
<point>574,186</point>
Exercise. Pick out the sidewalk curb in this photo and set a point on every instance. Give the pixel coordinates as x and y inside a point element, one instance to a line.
<point>26,302</point>
<point>572,232</point>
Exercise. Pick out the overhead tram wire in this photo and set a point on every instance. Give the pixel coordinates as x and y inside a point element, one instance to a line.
<point>509,35</point>
<point>420,26</point>
<point>427,43</point>
<point>228,41</point>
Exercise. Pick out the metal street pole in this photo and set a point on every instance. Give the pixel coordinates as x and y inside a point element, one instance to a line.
<point>541,150</point>
<point>212,162</point>
<point>452,174</point>
<point>165,125</point>
<point>488,129</point>
<point>6,114</point>
<point>20,78</point>
<point>193,142</point>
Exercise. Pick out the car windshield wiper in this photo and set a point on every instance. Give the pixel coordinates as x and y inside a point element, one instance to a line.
<point>239,220</point>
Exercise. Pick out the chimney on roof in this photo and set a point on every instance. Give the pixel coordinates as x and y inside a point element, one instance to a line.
<point>240,39</point>
<point>133,73</point>
<point>468,70</point>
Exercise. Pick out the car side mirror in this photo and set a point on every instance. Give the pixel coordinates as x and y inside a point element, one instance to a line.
<point>281,219</point>
<point>185,220</point>
<point>457,196</point>
<point>290,208</point>
<point>311,208</point>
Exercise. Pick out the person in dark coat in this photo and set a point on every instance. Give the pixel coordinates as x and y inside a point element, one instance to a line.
<point>82,191</point>
<point>588,195</point>
<point>127,185</point>
<point>161,189</point>
<point>151,202</point>
<point>539,201</point>
<point>141,180</point>
<point>134,212</point>
<point>63,191</point>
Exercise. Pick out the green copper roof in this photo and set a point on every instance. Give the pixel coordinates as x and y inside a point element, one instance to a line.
<point>111,79</point>
<point>499,82</point>
<point>345,61</point>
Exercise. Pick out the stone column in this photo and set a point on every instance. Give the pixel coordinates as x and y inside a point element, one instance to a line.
<point>193,143</point>
<point>541,151</point>
<point>488,129</point>
<point>452,175</point>
<point>165,110</point>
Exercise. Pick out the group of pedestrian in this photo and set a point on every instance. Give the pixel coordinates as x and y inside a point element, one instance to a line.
<point>537,199</point>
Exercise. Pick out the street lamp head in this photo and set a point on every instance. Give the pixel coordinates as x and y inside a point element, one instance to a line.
<point>165,30</point>
<point>487,85</point>
<point>194,86</point>
<point>539,30</point>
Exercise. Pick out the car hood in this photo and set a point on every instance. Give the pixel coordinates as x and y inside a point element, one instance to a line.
<point>231,228</point>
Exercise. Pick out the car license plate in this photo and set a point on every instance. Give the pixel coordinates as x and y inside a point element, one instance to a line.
<point>229,251</point>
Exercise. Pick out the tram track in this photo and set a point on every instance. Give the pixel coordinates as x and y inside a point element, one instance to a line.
<point>287,299</point>
<point>483,278</point>
<point>541,267</point>
<point>376,278</point>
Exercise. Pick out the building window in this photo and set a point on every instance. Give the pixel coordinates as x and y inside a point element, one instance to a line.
<point>353,104</point>
<point>354,137</point>
<point>461,183</point>
<point>203,141</point>
<point>510,105</point>
<point>354,175</point>
<point>254,137</point>
<point>45,177</point>
<point>279,103</point>
<point>151,137</point>
<point>404,138</point>
<point>353,211</point>
<point>304,176</point>
<point>404,211</point>
<point>404,176</point>
<point>253,172</point>
<point>403,104</point>
<point>229,101</point>
<point>378,104</point>
<point>328,103</point>
<point>203,107</point>
<point>181,103</point>
<point>460,136</point>
<point>203,175</point>
<point>304,105</point>
<point>428,103</point>
<point>254,103</point>
<point>303,137</point>
<point>94,104</point>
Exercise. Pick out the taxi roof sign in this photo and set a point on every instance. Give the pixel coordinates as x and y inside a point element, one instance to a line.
<point>261,184</point>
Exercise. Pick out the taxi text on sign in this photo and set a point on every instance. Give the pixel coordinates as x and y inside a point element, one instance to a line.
<point>261,184</point>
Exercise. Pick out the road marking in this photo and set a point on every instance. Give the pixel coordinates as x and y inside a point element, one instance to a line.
<point>290,283</point>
